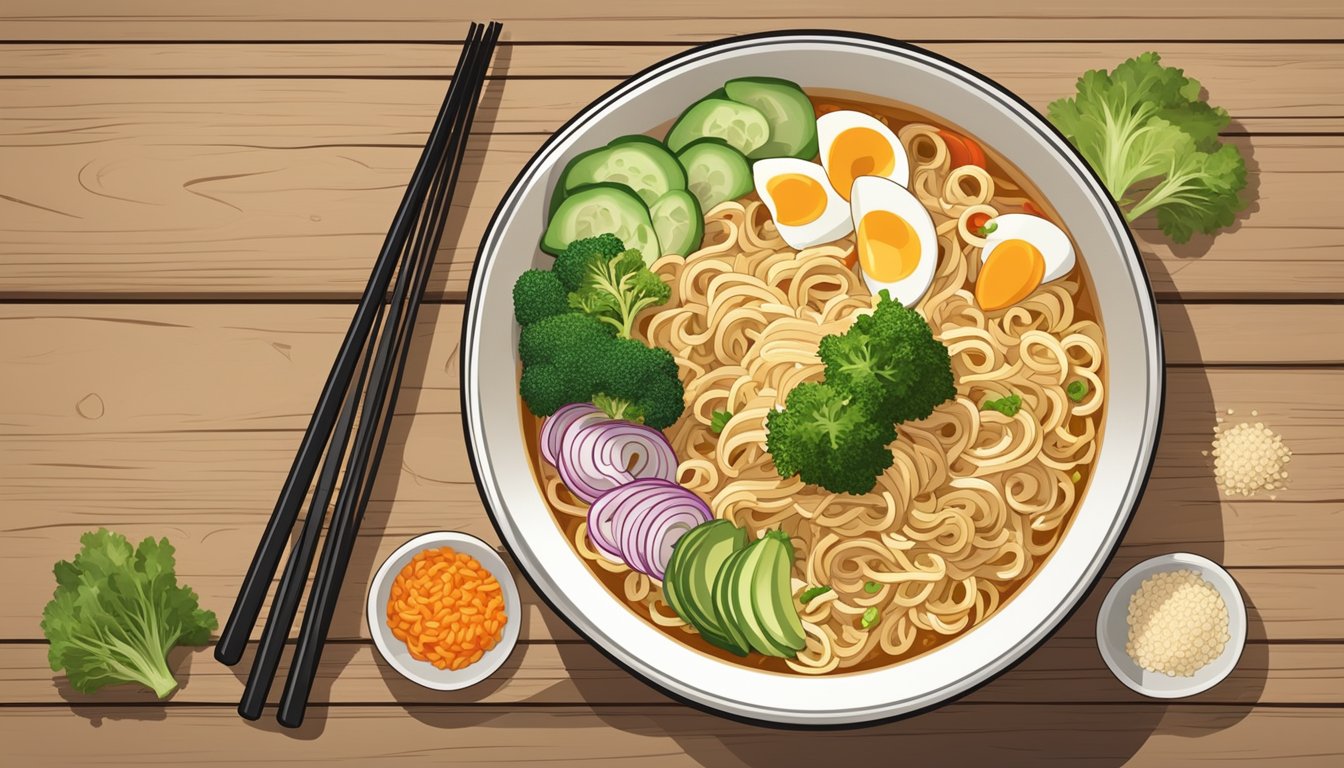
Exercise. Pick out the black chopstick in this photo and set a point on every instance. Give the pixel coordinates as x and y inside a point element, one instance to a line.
<point>285,604</point>
<point>377,415</point>
<point>257,579</point>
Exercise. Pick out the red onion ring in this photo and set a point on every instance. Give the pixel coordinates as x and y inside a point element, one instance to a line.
<point>597,457</point>
<point>640,521</point>
<point>555,426</point>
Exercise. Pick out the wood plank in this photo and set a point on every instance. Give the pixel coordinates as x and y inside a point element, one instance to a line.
<point>1063,671</point>
<point>1149,734</point>
<point>210,490</point>
<point>1283,86</point>
<point>151,367</point>
<point>291,195</point>
<point>181,421</point>
<point>694,20</point>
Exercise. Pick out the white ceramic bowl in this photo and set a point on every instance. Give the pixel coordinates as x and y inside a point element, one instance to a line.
<point>395,652</point>
<point>1113,628</point>
<point>888,70</point>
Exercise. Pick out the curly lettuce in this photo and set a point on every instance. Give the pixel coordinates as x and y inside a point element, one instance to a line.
<point>1153,140</point>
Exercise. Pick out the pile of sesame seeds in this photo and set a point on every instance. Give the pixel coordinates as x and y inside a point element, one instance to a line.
<point>1248,458</point>
<point>1177,623</point>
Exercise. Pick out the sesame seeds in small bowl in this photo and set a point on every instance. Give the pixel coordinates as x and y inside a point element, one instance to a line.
<point>1172,626</point>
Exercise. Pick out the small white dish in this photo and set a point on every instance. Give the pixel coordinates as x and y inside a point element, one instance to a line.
<point>1113,628</point>
<point>395,652</point>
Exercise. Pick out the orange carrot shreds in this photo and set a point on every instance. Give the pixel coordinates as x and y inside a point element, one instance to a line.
<point>447,608</point>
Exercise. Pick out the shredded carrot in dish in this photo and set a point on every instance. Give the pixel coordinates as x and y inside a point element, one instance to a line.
<point>447,608</point>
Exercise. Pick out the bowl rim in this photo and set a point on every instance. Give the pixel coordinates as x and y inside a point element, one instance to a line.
<point>423,673</point>
<point>1117,600</point>
<point>1149,336</point>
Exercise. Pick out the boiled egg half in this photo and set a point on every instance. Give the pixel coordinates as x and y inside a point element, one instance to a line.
<point>853,144</point>
<point>1020,254</point>
<point>806,210</point>
<point>896,245</point>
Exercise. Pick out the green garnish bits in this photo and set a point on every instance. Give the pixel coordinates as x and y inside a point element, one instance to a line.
<point>869,618</point>
<point>987,229</point>
<point>1008,405</point>
<point>1077,390</point>
<point>872,587</point>
<point>719,420</point>
<point>811,593</point>
<point>1076,476</point>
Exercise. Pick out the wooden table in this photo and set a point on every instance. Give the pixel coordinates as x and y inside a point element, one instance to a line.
<point>191,195</point>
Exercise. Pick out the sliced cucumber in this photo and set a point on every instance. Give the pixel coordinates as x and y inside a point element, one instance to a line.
<point>741,125</point>
<point>715,172</point>
<point>639,162</point>
<point>793,122</point>
<point>601,209</point>
<point>678,222</point>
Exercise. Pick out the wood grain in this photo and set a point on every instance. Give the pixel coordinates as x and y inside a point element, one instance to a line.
<point>1149,734</point>
<point>693,20</point>
<point>1063,670</point>
<point>1281,87</point>
<point>290,196</point>
<point>181,420</point>
<point>141,368</point>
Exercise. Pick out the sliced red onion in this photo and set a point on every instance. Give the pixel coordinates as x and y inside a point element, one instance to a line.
<point>594,458</point>
<point>640,521</point>
<point>557,424</point>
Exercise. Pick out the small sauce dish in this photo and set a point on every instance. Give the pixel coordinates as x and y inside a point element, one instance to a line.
<point>1113,628</point>
<point>394,650</point>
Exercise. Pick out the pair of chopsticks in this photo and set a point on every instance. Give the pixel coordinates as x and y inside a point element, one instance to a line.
<point>363,404</point>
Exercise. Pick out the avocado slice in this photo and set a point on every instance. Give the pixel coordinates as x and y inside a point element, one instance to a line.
<point>713,549</point>
<point>725,588</point>
<point>752,578</point>
<point>772,595</point>
<point>677,566</point>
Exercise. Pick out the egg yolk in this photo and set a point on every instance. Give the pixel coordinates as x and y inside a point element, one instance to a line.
<point>858,152</point>
<point>799,199</point>
<point>1013,270</point>
<point>888,246</point>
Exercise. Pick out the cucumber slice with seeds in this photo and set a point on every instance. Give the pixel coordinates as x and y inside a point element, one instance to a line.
<point>599,209</point>
<point>793,122</point>
<point>678,222</point>
<point>742,126</point>
<point>639,162</point>
<point>715,172</point>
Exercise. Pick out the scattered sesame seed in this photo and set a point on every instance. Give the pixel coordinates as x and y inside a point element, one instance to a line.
<point>1249,457</point>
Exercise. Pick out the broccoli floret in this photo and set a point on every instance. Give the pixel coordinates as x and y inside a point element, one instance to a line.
<point>562,359</point>
<point>571,266</point>
<point>640,383</point>
<point>574,358</point>
<point>830,438</point>
<point>890,359</point>
<point>615,289</point>
<point>538,295</point>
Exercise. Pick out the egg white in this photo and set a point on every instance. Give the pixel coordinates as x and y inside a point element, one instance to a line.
<point>875,193</point>
<point>833,223</point>
<point>1050,240</point>
<point>832,124</point>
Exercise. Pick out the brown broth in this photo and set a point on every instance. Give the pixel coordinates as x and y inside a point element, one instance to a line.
<point>1085,308</point>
